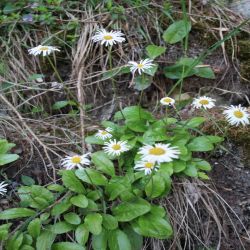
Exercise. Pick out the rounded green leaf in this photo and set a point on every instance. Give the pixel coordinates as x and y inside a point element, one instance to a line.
<point>176,31</point>
<point>93,223</point>
<point>67,246</point>
<point>61,227</point>
<point>99,242</point>
<point>61,207</point>
<point>200,144</point>
<point>7,158</point>
<point>155,187</point>
<point>128,211</point>
<point>154,51</point>
<point>179,166</point>
<point>103,163</point>
<point>191,170</point>
<point>14,213</point>
<point>118,240</point>
<point>79,201</point>
<point>34,228</point>
<point>152,225</point>
<point>72,182</point>
<point>82,234</point>
<point>72,218</point>
<point>109,222</point>
<point>91,176</point>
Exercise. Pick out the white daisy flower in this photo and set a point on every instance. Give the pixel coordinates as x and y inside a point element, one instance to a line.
<point>141,66</point>
<point>46,50</point>
<point>203,102</point>
<point>3,190</point>
<point>146,166</point>
<point>167,101</point>
<point>71,162</point>
<point>159,153</point>
<point>237,115</point>
<point>104,134</point>
<point>115,148</point>
<point>108,38</point>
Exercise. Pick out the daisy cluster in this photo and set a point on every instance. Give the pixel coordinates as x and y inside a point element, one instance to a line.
<point>151,156</point>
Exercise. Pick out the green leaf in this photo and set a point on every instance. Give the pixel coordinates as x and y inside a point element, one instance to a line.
<point>5,146</point>
<point>137,125</point>
<point>82,234</point>
<point>7,158</point>
<point>158,211</point>
<point>176,31</point>
<point>202,164</point>
<point>14,213</point>
<point>93,223</point>
<point>27,247</point>
<point>15,241</point>
<point>203,176</point>
<point>155,187</point>
<point>4,231</point>
<point>34,228</point>
<point>118,240</point>
<point>72,182</point>
<point>45,240</point>
<point>133,113</point>
<point>93,140</point>
<point>151,71</point>
<point>115,188</point>
<point>72,218</point>
<point>27,181</point>
<point>214,139</point>
<point>200,144</point>
<point>91,176</point>
<point>27,239</point>
<point>205,72</point>
<point>136,240</point>
<point>103,163</point>
<point>61,207</point>
<point>151,225</point>
<point>99,242</point>
<point>56,187</point>
<point>79,201</point>
<point>154,51</point>
<point>61,227</point>
<point>142,82</point>
<point>9,8</point>
<point>179,166</point>
<point>195,122</point>
<point>128,211</point>
<point>61,104</point>
<point>191,170</point>
<point>67,246</point>
<point>109,222</point>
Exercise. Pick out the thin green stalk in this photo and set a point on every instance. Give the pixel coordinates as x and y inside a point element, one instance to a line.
<point>55,70</point>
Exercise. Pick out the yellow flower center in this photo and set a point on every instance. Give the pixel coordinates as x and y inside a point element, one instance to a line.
<point>140,65</point>
<point>204,102</point>
<point>108,37</point>
<point>157,151</point>
<point>149,165</point>
<point>167,100</point>
<point>238,114</point>
<point>43,48</point>
<point>76,159</point>
<point>104,132</point>
<point>116,147</point>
